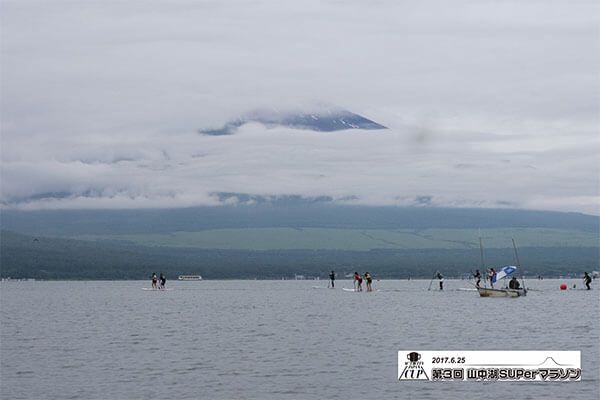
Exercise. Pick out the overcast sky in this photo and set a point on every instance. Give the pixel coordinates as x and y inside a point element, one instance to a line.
<point>490,104</point>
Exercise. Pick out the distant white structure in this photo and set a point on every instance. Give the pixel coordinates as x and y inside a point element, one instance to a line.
<point>190,278</point>
<point>299,277</point>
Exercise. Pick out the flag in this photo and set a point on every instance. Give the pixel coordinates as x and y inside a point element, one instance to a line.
<point>504,272</point>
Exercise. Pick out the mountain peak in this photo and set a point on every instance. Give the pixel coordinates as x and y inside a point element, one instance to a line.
<point>319,119</point>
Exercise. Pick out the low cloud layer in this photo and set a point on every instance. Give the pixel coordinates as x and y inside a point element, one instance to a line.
<point>488,104</point>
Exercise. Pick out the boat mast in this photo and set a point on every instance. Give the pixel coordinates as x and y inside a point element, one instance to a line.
<point>481,253</point>
<point>483,270</point>
<point>516,254</point>
<point>518,262</point>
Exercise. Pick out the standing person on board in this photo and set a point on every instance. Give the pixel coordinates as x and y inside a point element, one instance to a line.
<point>369,280</point>
<point>492,276</point>
<point>154,280</point>
<point>332,279</point>
<point>162,280</point>
<point>477,276</point>
<point>587,279</point>
<point>441,279</point>
<point>358,282</point>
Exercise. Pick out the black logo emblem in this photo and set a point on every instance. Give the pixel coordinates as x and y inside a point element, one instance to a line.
<point>413,368</point>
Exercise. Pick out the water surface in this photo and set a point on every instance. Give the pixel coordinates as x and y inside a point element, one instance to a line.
<point>277,339</point>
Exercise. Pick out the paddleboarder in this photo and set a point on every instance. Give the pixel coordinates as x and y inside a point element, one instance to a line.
<point>358,281</point>
<point>154,280</point>
<point>332,279</point>
<point>162,280</point>
<point>369,280</point>
<point>441,279</point>
<point>587,279</point>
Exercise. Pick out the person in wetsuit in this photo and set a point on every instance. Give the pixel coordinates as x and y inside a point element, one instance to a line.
<point>587,279</point>
<point>369,280</point>
<point>477,276</point>
<point>441,278</point>
<point>514,283</point>
<point>154,280</point>
<point>162,280</point>
<point>332,279</point>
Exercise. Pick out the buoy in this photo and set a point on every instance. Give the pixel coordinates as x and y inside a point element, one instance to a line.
<point>563,286</point>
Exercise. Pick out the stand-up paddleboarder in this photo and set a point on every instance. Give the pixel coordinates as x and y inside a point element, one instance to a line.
<point>587,279</point>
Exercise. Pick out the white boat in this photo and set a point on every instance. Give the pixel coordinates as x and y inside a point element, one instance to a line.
<point>489,292</point>
<point>503,273</point>
<point>189,278</point>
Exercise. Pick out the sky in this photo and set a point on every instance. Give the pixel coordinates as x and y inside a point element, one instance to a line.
<point>489,103</point>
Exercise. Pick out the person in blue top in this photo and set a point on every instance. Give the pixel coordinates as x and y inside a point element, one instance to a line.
<point>492,276</point>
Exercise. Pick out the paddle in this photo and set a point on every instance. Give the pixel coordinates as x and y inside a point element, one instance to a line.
<point>432,278</point>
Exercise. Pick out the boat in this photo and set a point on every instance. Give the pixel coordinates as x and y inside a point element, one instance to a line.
<point>189,278</point>
<point>503,273</point>
<point>489,292</point>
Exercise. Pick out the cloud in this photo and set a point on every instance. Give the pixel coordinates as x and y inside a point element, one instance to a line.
<point>489,104</point>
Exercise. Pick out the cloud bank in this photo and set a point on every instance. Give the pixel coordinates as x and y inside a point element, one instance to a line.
<point>489,104</point>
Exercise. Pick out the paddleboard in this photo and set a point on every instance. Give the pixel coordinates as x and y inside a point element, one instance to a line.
<point>156,290</point>
<point>462,289</point>
<point>349,290</point>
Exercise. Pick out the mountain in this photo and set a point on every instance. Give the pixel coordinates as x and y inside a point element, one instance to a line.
<point>269,237</point>
<point>322,119</point>
<point>283,212</point>
<point>39,257</point>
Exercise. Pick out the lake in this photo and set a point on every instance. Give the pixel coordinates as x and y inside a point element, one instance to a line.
<point>278,339</point>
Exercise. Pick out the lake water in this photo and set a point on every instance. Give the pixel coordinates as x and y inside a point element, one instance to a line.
<point>277,339</point>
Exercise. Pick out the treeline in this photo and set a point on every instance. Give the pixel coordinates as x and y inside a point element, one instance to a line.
<point>24,256</point>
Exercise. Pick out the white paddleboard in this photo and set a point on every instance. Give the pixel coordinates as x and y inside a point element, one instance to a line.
<point>156,290</point>
<point>349,290</point>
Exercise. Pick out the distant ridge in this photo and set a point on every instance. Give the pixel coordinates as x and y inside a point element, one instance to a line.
<point>40,257</point>
<point>322,119</point>
<point>284,212</point>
